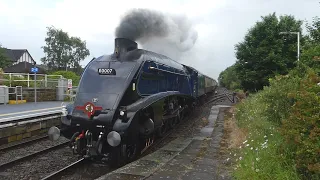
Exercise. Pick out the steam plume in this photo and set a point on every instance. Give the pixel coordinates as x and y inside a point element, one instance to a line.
<point>170,35</point>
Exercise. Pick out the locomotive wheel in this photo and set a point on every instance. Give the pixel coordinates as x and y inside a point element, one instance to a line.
<point>173,122</point>
<point>126,152</point>
<point>162,130</point>
<point>180,116</point>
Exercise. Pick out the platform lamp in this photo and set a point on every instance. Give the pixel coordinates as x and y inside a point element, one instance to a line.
<point>298,41</point>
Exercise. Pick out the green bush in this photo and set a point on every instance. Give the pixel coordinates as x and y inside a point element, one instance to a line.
<point>275,96</point>
<point>258,156</point>
<point>68,75</point>
<point>283,118</point>
<point>302,128</point>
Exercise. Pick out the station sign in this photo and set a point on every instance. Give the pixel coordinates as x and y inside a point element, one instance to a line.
<point>69,83</point>
<point>34,69</point>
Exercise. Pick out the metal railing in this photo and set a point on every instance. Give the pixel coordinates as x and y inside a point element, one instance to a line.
<point>45,78</point>
<point>71,93</point>
<point>4,94</point>
<point>10,93</point>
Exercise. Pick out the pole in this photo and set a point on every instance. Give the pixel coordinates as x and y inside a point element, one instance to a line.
<point>35,87</point>
<point>298,42</point>
<point>298,34</point>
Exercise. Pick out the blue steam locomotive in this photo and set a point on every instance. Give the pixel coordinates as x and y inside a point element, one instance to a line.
<point>127,99</point>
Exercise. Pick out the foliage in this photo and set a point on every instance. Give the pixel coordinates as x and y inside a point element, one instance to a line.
<point>258,156</point>
<point>4,59</point>
<point>264,53</point>
<point>1,76</point>
<point>302,128</point>
<point>228,78</point>
<point>62,51</point>
<point>311,53</point>
<point>283,124</point>
<point>69,75</point>
<point>275,95</point>
<point>314,29</point>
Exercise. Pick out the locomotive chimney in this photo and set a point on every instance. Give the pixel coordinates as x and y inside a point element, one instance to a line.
<point>123,45</point>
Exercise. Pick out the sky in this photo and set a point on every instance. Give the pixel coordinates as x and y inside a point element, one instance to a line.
<point>220,24</point>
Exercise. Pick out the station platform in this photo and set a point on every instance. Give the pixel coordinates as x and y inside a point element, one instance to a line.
<point>194,156</point>
<point>11,112</point>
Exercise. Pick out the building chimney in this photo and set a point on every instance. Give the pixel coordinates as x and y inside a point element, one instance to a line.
<point>123,45</point>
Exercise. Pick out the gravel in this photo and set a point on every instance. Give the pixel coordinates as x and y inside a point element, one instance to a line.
<point>87,172</point>
<point>23,150</point>
<point>41,165</point>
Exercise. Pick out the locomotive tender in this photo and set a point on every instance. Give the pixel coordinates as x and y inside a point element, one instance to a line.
<point>127,99</point>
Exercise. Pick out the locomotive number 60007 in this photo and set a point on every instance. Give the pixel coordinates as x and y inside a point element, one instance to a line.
<point>106,71</point>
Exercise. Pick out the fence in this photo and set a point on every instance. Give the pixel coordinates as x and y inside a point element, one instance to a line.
<point>58,82</point>
<point>16,93</point>
<point>26,79</point>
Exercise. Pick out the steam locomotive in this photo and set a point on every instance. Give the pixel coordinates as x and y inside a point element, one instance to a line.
<point>126,100</point>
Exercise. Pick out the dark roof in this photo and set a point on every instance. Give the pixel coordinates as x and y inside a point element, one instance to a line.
<point>22,67</point>
<point>15,54</point>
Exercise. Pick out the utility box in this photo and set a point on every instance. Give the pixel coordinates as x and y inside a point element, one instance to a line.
<point>4,95</point>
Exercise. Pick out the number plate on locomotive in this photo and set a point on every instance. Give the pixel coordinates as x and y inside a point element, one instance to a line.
<point>106,71</point>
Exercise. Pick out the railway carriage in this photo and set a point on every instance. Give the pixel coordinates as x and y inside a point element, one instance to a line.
<point>127,99</point>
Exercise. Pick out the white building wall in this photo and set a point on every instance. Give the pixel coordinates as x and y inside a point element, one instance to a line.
<point>23,58</point>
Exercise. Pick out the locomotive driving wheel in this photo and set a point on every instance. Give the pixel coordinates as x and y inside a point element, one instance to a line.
<point>132,150</point>
<point>126,152</point>
<point>163,129</point>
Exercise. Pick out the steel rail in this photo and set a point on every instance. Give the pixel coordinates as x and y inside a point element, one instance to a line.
<point>57,174</point>
<point>23,143</point>
<point>13,162</point>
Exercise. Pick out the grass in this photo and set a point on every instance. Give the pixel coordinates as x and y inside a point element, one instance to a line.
<point>255,144</point>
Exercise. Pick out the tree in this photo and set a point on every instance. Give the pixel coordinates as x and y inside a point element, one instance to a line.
<point>62,51</point>
<point>311,50</point>
<point>229,79</point>
<point>314,30</point>
<point>4,59</point>
<point>265,53</point>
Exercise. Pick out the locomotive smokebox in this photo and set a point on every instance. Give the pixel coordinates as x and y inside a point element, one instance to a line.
<point>124,45</point>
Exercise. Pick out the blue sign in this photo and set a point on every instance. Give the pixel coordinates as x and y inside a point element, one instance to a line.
<point>34,69</point>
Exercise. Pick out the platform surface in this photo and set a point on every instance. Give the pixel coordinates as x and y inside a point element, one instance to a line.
<point>10,111</point>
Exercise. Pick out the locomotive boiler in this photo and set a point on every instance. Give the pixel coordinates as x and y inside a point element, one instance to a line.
<point>127,99</point>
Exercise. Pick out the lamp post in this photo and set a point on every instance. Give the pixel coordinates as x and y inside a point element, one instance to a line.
<point>298,42</point>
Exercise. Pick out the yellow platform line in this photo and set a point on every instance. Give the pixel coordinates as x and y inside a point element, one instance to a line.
<point>23,112</point>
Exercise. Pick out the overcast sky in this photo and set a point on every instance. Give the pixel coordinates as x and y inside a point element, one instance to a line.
<point>220,23</point>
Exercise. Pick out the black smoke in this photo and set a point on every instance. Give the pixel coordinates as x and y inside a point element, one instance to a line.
<point>170,35</point>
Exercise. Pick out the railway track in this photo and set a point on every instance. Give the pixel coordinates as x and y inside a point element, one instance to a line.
<point>26,157</point>
<point>59,173</point>
<point>69,172</point>
<point>22,143</point>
